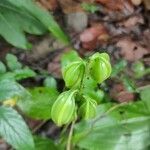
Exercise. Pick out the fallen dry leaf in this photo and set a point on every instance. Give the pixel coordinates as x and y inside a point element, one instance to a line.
<point>119,94</point>
<point>132,21</point>
<point>3,145</point>
<point>54,66</point>
<point>70,6</point>
<point>112,4</point>
<point>93,35</point>
<point>117,5</point>
<point>147,4</point>
<point>136,2</point>
<point>54,69</point>
<point>48,4</point>
<point>131,50</point>
<point>43,47</point>
<point>146,39</point>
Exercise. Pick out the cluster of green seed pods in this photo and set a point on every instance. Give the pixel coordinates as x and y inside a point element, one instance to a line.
<point>66,106</point>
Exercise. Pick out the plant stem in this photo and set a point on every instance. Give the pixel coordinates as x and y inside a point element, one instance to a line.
<point>68,147</point>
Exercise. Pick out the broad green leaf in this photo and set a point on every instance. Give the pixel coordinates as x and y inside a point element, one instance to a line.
<point>24,73</point>
<point>12,62</point>
<point>43,16</point>
<point>50,82</point>
<point>14,21</point>
<point>115,128</point>
<point>44,144</point>
<point>10,89</point>
<point>14,130</point>
<point>8,76</point>
<point>145,95</point>
<point>2,68</point>
<point>39,105</point>
<point>19,16</point>
<point>69,57</point>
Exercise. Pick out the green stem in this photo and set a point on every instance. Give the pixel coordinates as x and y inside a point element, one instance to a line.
<point>68,147</point>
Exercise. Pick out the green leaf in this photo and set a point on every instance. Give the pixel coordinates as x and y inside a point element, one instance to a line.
<point>17,17</point>
<point>115,128</point>
<point>89,83</point>
<point>44,17</point>
<point>8,76</point>
<point>90,7</point>
<point>96,95</point>
<point>39,105</point>
<point>138,69</point>
<point>44,143</point>
<point>129,84</point>
<point>91,89</point>
<point>117,68</point>
<point>10,89</point>
<point>12,62</point>
<point>50,82</point>
<point>69,57</point>
<point>24,73</point>
<point>2,68</point>
<point>145,95</point>
<point>14,130</point>
<point>14,21</point>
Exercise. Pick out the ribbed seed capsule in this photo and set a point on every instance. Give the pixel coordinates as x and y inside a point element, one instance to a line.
<point>73,74</point>
<point>88,108</point>
<point>100,67</point>
<point>63,109</point>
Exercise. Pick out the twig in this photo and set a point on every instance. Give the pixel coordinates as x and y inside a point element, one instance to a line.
<point>39,126</point>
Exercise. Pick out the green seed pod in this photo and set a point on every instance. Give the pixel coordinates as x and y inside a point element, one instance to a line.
<point>73,74</point>
<point>63,109</point>
<point>100,67</point>
<point>88,108</point>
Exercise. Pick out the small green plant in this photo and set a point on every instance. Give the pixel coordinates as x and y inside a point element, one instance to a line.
<point>13,69</point>
<point>82,108</point>
<point>76,102</point>
<point>139,69</point>
<point>90,7</point>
